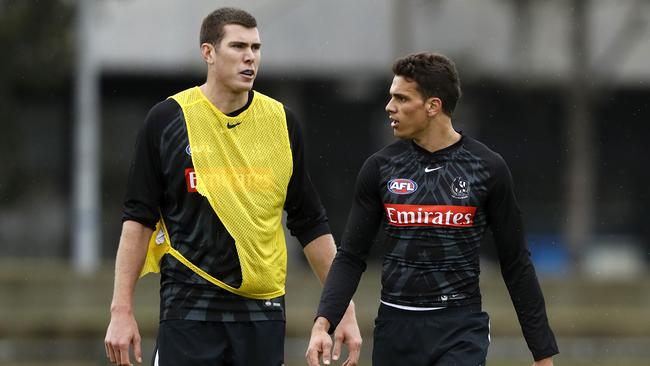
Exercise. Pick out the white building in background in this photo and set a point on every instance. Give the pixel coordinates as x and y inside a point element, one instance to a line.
<point>364,36</point>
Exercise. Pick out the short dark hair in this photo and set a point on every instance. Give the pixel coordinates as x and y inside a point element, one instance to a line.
<point>212,27</point>
<point>435,75</point>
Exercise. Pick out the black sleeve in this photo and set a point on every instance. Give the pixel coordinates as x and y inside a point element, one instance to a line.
<point>306,217</point>
<point>145,188</point>
<point>349,263</point>
<point>516,266</point>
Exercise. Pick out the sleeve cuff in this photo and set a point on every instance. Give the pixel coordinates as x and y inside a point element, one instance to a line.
<point>306,237</point>
<point>144,221</point>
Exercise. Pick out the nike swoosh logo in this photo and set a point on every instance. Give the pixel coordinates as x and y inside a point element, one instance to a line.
<point>427,170</point>
<point>232,126</point>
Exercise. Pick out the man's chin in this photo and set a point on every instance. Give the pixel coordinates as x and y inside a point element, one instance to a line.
<point>243,87</point>
<point>399,134</point>
<point>247,88</point>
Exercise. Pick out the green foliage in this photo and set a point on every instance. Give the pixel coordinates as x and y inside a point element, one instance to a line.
<point>37,44</point>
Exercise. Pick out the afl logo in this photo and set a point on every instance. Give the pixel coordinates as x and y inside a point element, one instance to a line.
<point>459,188</point>
<point>402,186</point>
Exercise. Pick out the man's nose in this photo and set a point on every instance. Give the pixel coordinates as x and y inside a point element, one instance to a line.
<point>249,56</point>
<point>389,107</point>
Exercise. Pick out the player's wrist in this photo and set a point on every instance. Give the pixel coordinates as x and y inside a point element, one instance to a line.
<point>321,323</point>
<point>121,309</point>
<point>351,306</point>
<point>349,312</point>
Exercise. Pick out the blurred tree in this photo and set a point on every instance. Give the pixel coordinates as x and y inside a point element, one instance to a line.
<point>36,43</point>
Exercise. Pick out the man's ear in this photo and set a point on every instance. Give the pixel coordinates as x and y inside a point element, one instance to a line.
<point>207,52</point>
<point>434,106</point>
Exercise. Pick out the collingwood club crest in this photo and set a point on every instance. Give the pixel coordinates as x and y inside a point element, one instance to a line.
<point>460,188</point>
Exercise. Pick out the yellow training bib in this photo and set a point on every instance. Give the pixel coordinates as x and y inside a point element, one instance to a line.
<point>243,165</point>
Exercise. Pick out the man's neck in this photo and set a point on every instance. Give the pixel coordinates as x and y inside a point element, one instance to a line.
<point>223,99</point>
<point>439,135</point>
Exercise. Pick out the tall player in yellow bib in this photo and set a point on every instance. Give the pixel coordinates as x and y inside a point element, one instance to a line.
<point>214,167</point>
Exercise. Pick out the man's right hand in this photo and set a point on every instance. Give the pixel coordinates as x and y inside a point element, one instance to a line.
<point>320,343</point>
<point>122,332</point>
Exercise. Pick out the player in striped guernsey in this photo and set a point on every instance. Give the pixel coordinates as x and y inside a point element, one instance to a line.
<point>437,191</point>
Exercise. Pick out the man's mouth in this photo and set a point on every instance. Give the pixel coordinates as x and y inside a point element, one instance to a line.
<point>394,123</point>
<point>249,73</point>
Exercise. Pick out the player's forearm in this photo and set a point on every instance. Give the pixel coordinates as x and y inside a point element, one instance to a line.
<point>339,288</point>
<point>320,253</point>
<point>528,300</point>
<point>544,362</point>
<point>131,254</point>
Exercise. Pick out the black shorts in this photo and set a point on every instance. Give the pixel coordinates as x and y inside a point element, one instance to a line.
<point>199,343</point>
<point>456,336</point>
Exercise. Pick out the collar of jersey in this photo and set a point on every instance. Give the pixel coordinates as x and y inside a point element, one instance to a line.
<point>220,114</point>
<point>447,150</point>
